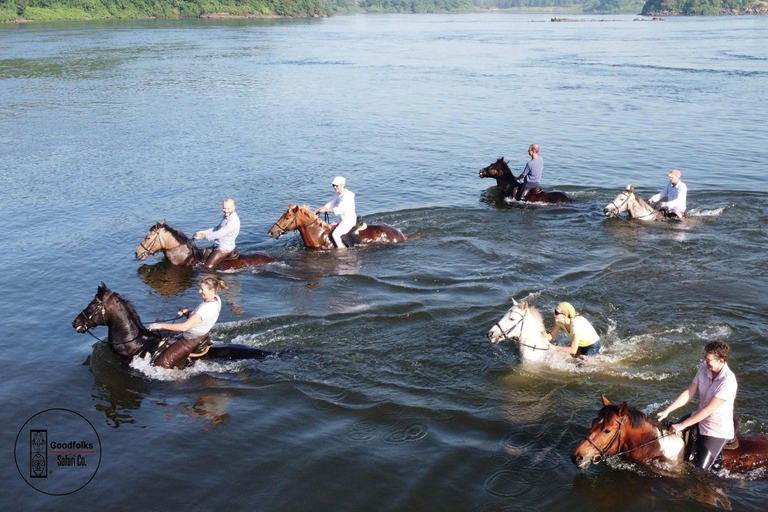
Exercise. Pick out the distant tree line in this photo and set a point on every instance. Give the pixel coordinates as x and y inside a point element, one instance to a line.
<point>132,9</point>
<point>699,7</point>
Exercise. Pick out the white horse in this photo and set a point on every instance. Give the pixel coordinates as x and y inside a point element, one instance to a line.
<point>524,324</point>
<point>628,201</point>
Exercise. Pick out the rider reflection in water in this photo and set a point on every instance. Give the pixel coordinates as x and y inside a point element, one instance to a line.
<point>224,234</point>
<point>716,386</point>
<point>194,332</point>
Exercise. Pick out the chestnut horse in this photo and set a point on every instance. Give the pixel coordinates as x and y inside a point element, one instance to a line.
<point>181,251</point>
<point>128,336</point>
<point>508,185</point>
<point>620,430</point>
<point>317,234</point>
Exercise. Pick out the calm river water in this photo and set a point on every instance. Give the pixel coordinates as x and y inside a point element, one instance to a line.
<point>394,400</point>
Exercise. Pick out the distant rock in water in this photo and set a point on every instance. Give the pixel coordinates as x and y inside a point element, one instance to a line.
<point>568,20</point>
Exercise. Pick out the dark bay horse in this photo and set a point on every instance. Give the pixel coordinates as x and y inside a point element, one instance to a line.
<point>317,234</point>
<point>620,430</point>
<point>128,336</point>
<point>508,185</point>
<point>182,251</point>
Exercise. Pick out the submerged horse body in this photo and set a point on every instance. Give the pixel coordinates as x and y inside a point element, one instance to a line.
<point>523,324</point>
<point>181,250</point>
<point>508,185</point>
<point>628,201</point>
<point>620,430</point>
<point>128,336</point>
<point>316,233</point>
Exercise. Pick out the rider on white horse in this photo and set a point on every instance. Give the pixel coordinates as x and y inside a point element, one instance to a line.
<point>676,193</point>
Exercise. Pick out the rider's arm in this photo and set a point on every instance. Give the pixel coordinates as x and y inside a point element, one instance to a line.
<point>702,414</point>
<point>554,332</point>
<point>187,325</point>
<point>232,226</point>
<point>680,401</point>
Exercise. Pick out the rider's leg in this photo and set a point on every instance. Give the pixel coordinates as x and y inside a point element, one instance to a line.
<point>216,257</point>
<point>708,450</point>
<point>523,190</point>
<point>176,354</point>
<point>342,229</point>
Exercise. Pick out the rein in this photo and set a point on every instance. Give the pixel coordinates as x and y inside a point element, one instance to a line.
<point>293,225</point>
<point>617,436</point>
<point>505,334</point>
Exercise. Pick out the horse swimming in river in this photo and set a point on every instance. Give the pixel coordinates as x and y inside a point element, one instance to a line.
<point>128,336</point>
<point>525,325</point>
<point>317,234</point>
<point>508,185</point>
<point>622,431</point>
<point>181,250</point>
<point>637,208</point>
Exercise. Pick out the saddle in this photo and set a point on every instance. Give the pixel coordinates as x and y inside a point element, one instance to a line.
<point>692,433</point>
<point>166,343</point>
<point>537,190</point>
<point>232,255</point>
<point>352,238</point>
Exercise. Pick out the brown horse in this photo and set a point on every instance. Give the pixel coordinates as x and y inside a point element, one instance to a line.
<point>508,185</point>
<point>181,251</point>
<point>129,338</point>
<point>620,430</point>
<point>317,234</point>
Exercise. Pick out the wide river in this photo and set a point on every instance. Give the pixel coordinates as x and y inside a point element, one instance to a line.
<point>393,399</point>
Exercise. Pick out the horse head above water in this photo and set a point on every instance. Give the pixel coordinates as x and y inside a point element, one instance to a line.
<point>181,250</point>
<point>316,234</point>
<point>507,185</point>
<point>629,201</point>
<point>622,431</point>
<point>524,324</point>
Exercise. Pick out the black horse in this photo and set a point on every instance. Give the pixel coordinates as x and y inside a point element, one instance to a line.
<point>508,185</point>
<point>130,338</point>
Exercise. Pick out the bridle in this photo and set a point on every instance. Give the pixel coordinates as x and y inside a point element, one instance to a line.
<point>101,307</point>
<point>292,226</point>
<point>151,244</point>
<point>617,436</point>
<point>619,207</point>
<point>505,333</point>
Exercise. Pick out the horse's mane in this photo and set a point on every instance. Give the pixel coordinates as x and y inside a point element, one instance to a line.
<point>504,165</point>
<point>176,234</point>
<point>636,418</point>
<point>130,309</point>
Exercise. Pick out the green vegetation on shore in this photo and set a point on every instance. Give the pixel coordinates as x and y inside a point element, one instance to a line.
<point>136,9</point>
<point>705,7</point>
<point>11,10</point>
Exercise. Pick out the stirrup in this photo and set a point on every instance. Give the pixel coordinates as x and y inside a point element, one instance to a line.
<point>201,349</point>
<point>161,347</point>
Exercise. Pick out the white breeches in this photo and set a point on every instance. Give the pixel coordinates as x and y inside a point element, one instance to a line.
<point>342,229</point>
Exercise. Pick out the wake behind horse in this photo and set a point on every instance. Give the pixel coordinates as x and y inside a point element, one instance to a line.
<point>316,234</point>
<point>128,336</point>
<point>508,185</point>
<point>181,250</point>
<point>620,430</point>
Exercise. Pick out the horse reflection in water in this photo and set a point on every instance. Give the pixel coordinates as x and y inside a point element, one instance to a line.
<point>181,250</point>
<point>317,234</point>
<point>523,324</point>
<point>507,185</point>
<point>622,431</point>
<point>128,336</point>
<point>167,279</point>
<point>637,208</point>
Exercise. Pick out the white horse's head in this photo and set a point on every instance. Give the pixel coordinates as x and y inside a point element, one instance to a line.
<point>524,324</point>
<point>511,324</point>
<point>620,203</point>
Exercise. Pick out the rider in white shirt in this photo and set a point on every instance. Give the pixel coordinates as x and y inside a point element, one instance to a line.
<point>676,193</point>
<point>342,205</point>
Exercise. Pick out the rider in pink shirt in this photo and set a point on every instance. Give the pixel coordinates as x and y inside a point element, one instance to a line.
<point>716,385</point>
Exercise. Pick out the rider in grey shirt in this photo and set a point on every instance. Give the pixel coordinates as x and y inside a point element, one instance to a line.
<point>532,173</point>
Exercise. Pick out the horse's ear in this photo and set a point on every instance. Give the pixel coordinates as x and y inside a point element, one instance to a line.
<point>514,302</point>
<point>525,305</point>
<point>606,402</point>
<point>629,187</point>
<point>290,206</point>
<point>623,409</point>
